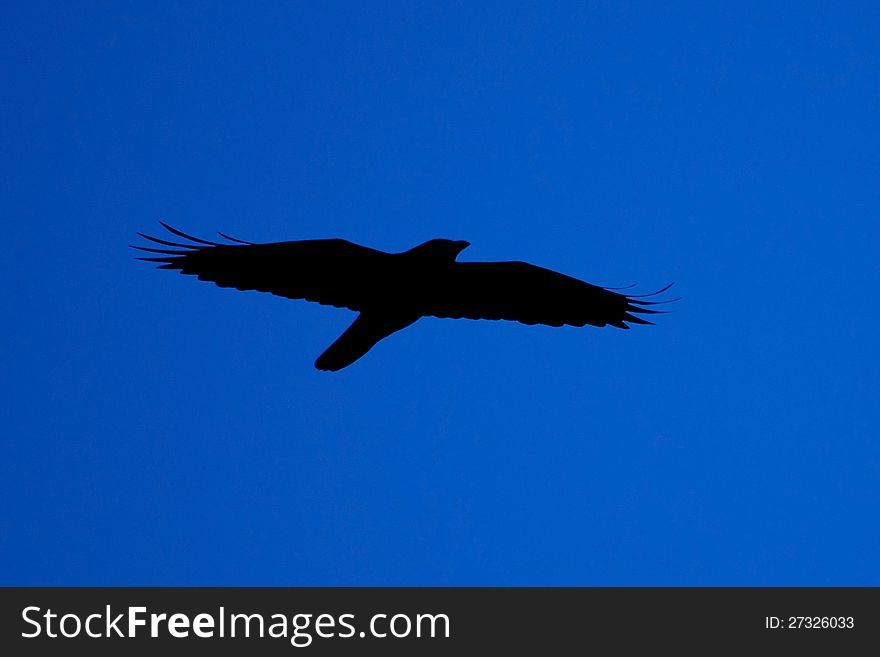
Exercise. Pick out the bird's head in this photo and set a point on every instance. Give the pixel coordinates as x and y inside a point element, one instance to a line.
<point>440,249</point>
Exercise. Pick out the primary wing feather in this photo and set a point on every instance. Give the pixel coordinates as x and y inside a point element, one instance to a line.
<point>333,272</point>
<point>529,294</point>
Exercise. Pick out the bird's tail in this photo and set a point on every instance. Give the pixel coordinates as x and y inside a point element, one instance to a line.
<point>359,338</point>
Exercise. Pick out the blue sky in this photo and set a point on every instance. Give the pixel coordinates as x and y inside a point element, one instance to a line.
<point>159,430</point>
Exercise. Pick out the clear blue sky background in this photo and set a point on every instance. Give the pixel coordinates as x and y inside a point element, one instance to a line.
<point>159,430</point>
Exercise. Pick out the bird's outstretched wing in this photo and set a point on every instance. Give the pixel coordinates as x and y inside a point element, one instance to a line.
<point>530,294</point>
<point>333,272</point>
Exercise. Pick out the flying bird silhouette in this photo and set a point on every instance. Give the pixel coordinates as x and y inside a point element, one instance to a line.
<point>390,291</point>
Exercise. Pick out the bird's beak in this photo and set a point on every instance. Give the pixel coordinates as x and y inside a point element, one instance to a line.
<point>462,244</point>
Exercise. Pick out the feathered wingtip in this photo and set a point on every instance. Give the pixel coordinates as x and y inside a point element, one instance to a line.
<point>171,256</point>
<point>635,303</point>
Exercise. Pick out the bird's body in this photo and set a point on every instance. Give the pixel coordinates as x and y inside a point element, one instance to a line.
<point>393,290</point>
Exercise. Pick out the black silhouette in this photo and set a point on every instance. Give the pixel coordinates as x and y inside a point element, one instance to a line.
<point>393,290</point>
